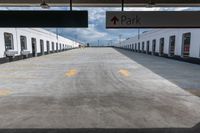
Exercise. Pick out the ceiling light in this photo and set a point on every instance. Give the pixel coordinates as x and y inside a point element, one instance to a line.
<point>44,5</point>
<point>151,4</point>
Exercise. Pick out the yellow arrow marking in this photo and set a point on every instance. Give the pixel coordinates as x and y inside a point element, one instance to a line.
<point>124,72</point>
<point>71,73</point>
<point>4,92</point>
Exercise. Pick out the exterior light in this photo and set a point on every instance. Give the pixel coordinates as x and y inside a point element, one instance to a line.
<point>44,5</point>
<point>151,4</point>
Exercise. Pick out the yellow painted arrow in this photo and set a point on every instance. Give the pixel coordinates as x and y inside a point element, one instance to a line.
<point>124,72</point>
<point>71,73</point>
<point>4,92</point>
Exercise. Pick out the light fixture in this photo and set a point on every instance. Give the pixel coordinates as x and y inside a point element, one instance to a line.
<point>151,4</point>
<point>44,5</point>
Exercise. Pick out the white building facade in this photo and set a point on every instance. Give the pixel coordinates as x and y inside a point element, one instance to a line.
<point>19,43</point>
<point>173,43</point>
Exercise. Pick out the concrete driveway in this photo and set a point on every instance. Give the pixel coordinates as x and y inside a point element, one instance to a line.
<point>98,88</point>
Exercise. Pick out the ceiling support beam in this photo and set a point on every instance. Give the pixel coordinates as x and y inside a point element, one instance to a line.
<point>104,3</point>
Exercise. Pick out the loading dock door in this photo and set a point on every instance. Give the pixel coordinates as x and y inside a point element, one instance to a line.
<point>186,44</point>
<point>8,37</point>
<point>42,47</point>
<point>133,47</point>
<point>56,47</point>
<point>153,47</point>
<point>23,42</point>
<point>147,47</point>
<point>161,52</point>
<point>136,47</point>
<point>139,47</point>
<point>172,40</point>
<point>60,47</point>
<point>34,47</point>
<point>142,47</point>
<point>48,49</point>
<point>52,47</point>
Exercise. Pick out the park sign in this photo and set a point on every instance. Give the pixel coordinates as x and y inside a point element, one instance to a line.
<point>153,19</point>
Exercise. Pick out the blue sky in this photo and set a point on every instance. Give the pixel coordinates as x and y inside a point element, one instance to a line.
<point>96,29</point>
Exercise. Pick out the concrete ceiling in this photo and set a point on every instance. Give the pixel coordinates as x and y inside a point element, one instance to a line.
<point>103,3</point>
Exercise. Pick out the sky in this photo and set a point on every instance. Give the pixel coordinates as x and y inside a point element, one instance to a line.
<point>96,31</point>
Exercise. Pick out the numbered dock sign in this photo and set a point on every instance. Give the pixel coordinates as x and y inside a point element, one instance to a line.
<point>153,19</point>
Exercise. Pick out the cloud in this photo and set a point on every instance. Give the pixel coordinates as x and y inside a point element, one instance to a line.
<point>89,35</point>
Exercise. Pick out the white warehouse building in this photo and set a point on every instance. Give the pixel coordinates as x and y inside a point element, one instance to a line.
<point>181,44</point>
<point>19,43</point>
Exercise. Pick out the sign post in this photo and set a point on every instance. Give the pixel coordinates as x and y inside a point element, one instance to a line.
<point>153,19</point>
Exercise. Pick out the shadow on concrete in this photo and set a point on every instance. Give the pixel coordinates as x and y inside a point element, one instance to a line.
<point>195,129</point>
<point>185,75</point>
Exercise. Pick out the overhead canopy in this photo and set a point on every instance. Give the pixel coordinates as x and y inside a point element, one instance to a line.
<point>103,3</point>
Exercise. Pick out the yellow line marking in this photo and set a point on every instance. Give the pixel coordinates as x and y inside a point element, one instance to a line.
<point>71,73</point>
<point>4,92</point>
<point>124,72</point>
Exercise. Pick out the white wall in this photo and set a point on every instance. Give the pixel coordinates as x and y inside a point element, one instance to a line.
<point>37,33</point>
<point>166,33</point>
